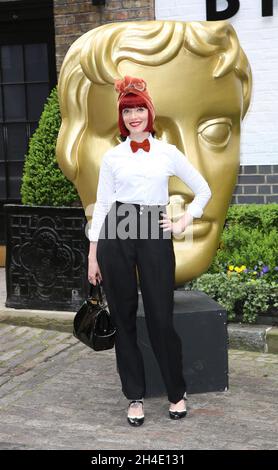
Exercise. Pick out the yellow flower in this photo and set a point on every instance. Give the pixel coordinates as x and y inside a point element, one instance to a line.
<point>241,268</point>
<point>231,268</point>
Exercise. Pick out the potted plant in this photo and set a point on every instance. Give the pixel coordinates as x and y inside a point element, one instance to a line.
<point>45,235</point>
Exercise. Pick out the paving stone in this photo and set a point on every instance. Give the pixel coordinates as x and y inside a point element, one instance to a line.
<point>69,397</point>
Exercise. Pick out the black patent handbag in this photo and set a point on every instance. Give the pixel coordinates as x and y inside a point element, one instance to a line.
<point>92,324</point>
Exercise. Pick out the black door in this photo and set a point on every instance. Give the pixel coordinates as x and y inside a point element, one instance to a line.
<point>27,75</point>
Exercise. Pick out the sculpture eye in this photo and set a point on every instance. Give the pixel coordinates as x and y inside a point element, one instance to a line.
<point>215,133</point>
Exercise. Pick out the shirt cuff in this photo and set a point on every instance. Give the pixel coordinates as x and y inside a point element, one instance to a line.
<point>92,235</point>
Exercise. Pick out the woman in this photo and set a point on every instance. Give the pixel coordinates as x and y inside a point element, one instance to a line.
<point>133,179</point>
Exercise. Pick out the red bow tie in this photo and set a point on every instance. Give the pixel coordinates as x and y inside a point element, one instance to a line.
<point>145,145</point>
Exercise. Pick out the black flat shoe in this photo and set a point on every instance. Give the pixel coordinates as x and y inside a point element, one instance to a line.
<point>178,414</point>
<point>136,420</point>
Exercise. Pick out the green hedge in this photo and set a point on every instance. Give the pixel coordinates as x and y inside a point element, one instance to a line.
<point>250,239</point>
<point>243,276</point>
<point>240,296</point>
<point>43,182</point>
<point>261,216</point>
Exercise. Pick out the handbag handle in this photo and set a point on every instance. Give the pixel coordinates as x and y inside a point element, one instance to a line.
<point>92,287</point>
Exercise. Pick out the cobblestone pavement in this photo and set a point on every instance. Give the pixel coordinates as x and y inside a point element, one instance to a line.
<point>56,393</point>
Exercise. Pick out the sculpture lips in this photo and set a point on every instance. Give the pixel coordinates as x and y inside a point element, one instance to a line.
<point>200,229</point>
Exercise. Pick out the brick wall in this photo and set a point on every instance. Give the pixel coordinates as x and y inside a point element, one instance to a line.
<point>257,184</point>
<point>74,17</point>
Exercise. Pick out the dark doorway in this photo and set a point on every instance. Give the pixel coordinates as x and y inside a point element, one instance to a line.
<point>27,75</point>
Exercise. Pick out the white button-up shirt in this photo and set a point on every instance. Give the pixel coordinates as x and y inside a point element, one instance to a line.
<point>142,178</point>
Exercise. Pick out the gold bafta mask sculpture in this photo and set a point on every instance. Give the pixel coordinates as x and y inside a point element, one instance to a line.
<point>200,81</point>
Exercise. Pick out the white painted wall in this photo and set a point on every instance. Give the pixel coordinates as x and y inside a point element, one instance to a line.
<point>259,39</point>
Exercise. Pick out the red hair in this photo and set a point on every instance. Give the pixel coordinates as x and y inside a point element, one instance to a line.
<point>131,100</point>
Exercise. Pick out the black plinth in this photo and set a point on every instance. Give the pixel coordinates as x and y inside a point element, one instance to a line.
<point>202,326</point>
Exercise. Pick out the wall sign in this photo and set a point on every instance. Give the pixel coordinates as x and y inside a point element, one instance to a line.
<point>232,8</point>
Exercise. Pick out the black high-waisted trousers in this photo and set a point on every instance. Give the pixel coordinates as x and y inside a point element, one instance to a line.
<point>131,237</point>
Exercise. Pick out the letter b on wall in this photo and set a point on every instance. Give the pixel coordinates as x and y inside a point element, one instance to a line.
<point>213,14</point>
